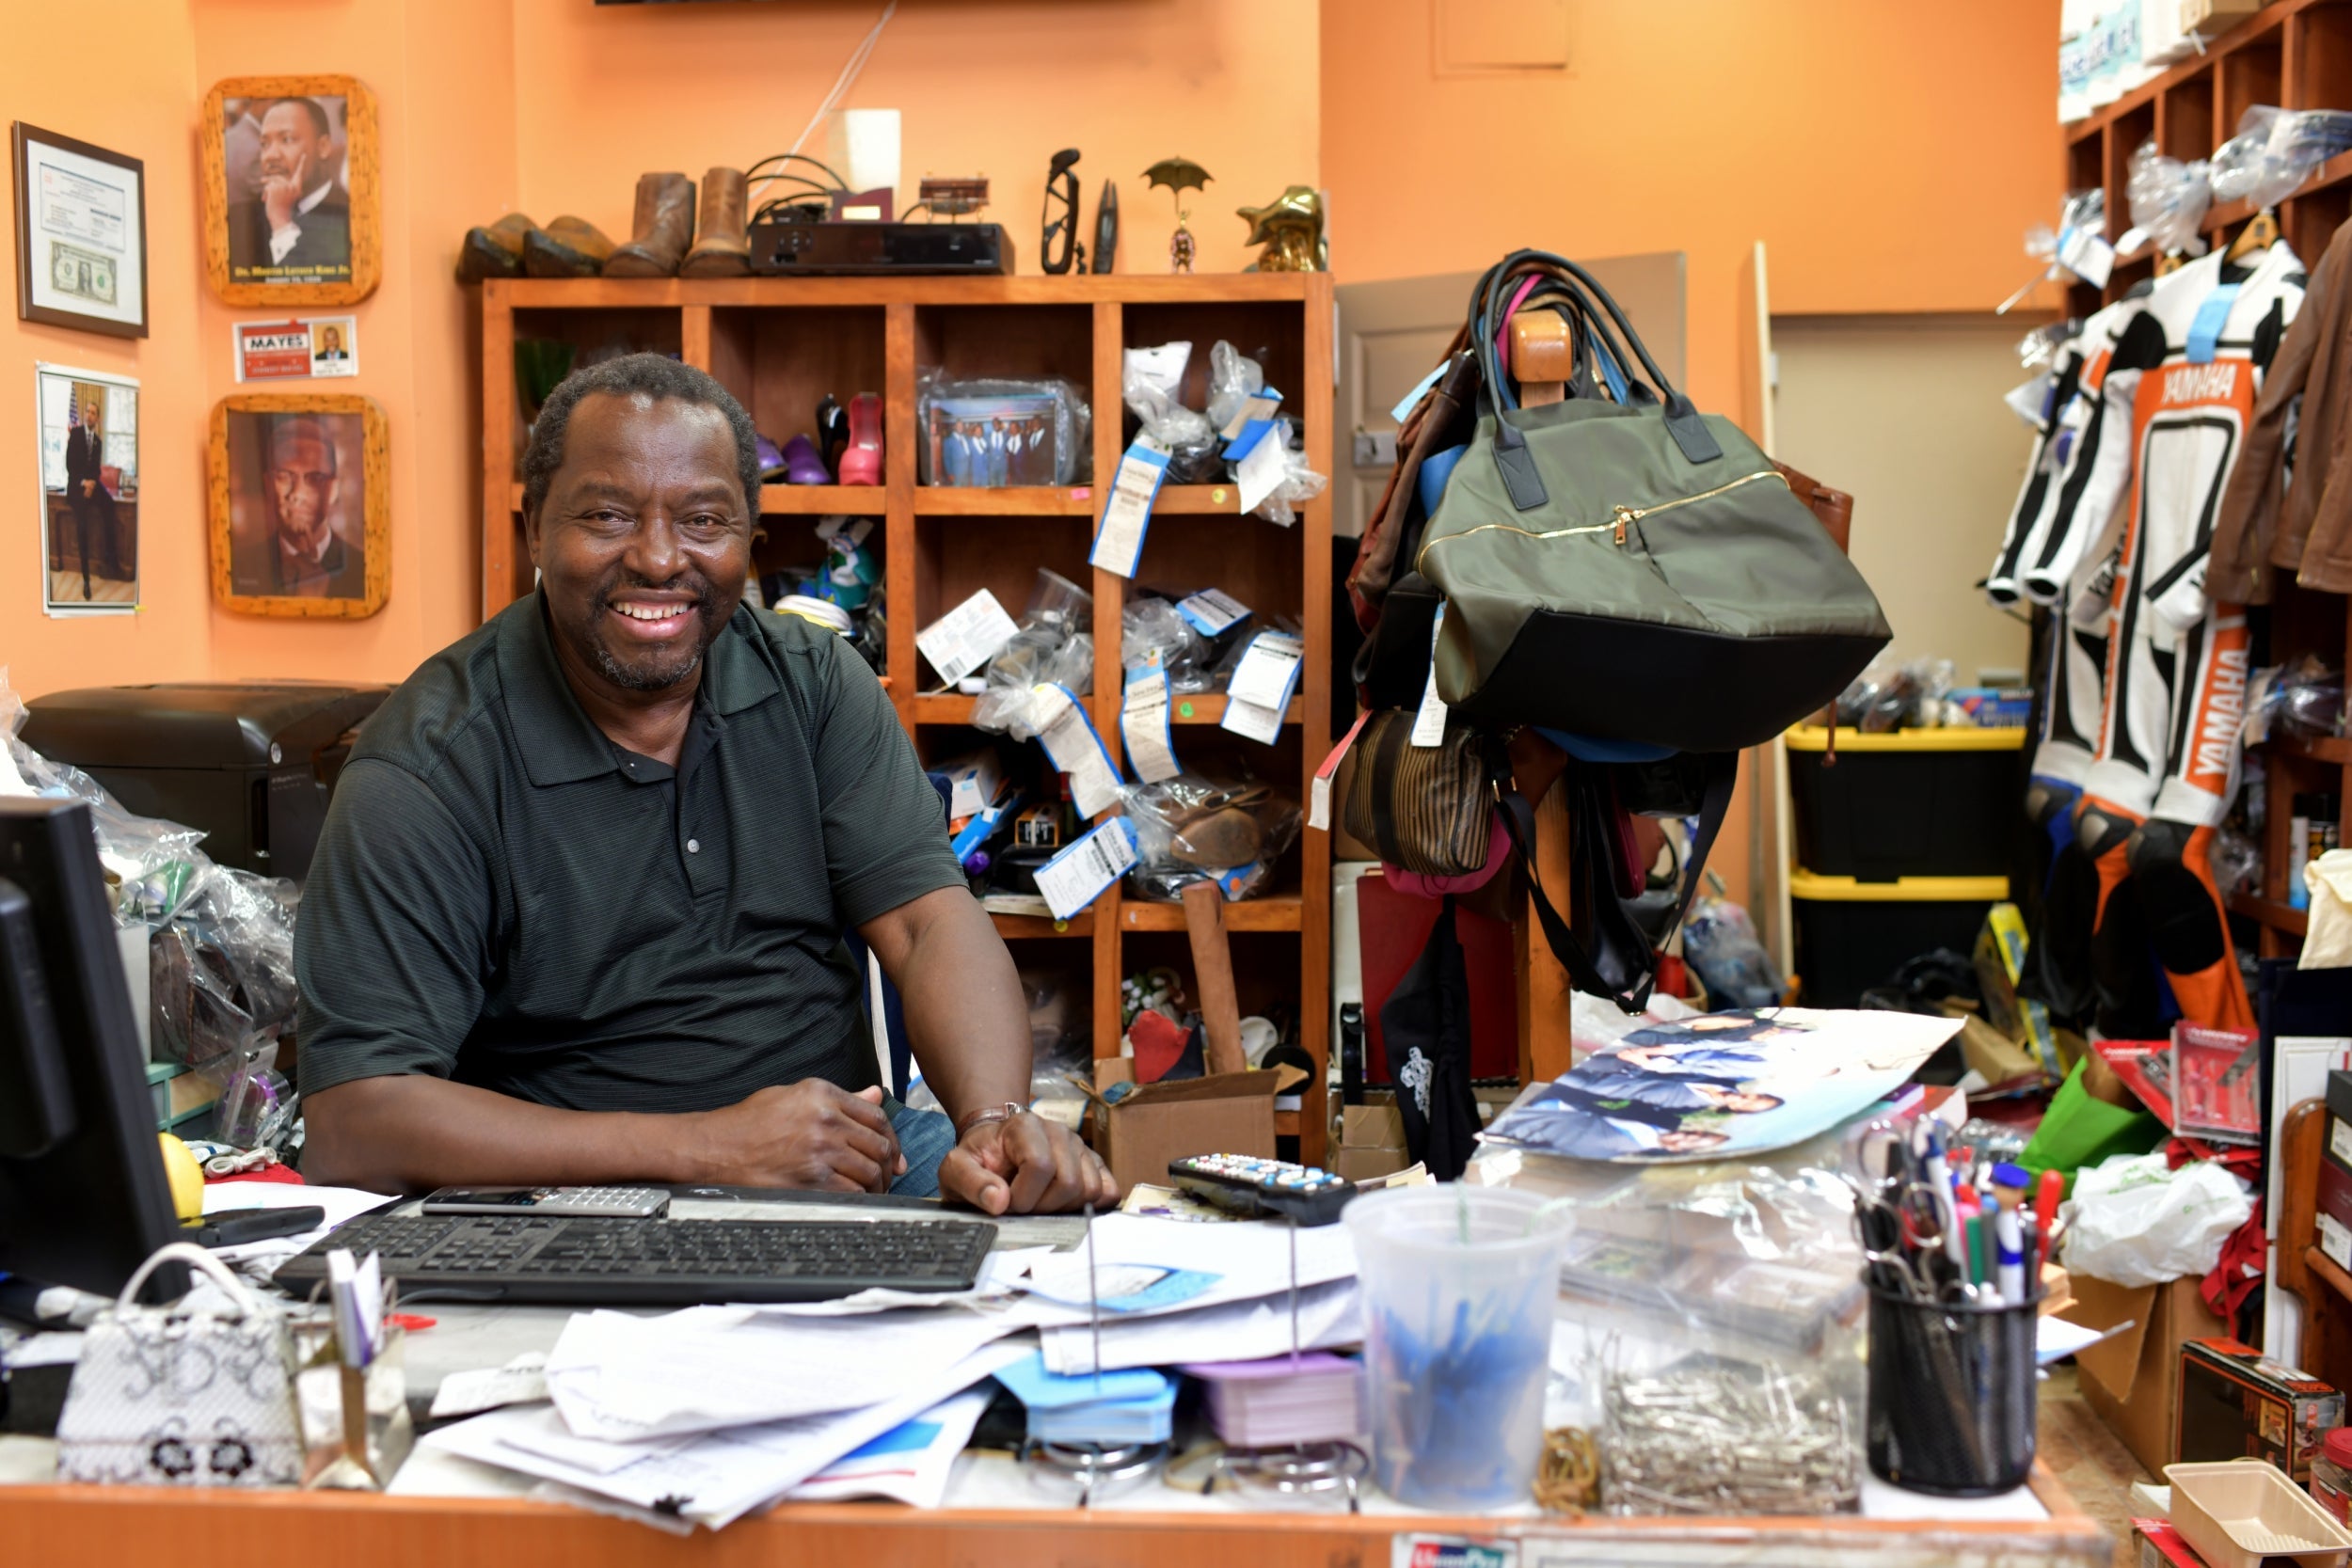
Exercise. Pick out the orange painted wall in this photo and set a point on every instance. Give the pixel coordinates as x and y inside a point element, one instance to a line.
<point>446,118</point>
<point>1890,153</point>
<point>53,63</point>
<point>981,89</point>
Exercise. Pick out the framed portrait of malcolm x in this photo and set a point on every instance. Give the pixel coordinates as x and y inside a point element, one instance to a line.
<point>300,504</point>
<point>81,235</point>
<point>292,212</point>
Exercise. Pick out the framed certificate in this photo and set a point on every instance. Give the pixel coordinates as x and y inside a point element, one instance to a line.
<point>81,235</point>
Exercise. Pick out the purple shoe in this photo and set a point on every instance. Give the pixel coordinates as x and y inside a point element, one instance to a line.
<point>772,465</point>
<point>801,464</point>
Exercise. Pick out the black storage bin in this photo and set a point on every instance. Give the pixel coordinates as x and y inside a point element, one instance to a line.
<point>1944,803</point>
<point>1852,935</point>
<point>1951,1401</point>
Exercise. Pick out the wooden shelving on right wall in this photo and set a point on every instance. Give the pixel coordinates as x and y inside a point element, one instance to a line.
<point>2293,55</point>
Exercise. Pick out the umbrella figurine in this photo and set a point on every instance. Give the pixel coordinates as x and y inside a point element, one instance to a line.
<point>1179,175</point>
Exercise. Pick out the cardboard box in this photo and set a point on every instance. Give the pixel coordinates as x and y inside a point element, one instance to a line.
<point>2236,1404</point>
<point>2132,1380</point>
<point>1372,1139</point>
<point>1226,1113</point>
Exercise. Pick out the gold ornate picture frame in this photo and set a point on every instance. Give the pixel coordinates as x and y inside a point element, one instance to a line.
<point>292,200</point>
<point>288,534</point>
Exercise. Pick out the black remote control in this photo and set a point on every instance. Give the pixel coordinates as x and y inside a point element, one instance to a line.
<point>1256,1186</point>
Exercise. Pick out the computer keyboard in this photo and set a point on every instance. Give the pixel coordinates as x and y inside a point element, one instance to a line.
<point>653,1261</point>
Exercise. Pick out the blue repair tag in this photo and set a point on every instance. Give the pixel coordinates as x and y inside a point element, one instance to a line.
<point>2213,315</point>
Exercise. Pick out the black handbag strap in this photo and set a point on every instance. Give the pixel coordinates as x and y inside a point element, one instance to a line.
<point>1512,459</point>
<point>1519,821</point>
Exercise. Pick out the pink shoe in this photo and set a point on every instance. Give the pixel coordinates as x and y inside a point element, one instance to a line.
<point>862,461</point>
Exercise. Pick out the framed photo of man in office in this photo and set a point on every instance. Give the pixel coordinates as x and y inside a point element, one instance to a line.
<point>300,504</point>
<point>81,235</point>
<point>292,206</point>
<point>89,490</point>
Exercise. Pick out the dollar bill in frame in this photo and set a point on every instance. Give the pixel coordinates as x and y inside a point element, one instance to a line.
<point>81,235</point>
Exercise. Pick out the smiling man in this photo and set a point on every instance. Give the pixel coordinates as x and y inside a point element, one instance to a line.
<point>577,913</point>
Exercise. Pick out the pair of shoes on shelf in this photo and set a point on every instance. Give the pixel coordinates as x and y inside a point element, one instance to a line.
<point>573,247</point>
<point>853,447</point>
<point>515,247</point>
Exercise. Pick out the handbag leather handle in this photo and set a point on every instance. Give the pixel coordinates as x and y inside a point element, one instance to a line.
<point>204,1262</point>
<point>1683,422</point>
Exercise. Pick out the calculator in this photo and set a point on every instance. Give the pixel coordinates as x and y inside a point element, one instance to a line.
<point>616,1203</point>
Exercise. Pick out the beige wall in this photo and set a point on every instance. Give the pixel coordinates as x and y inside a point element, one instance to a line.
<point>1905,412</point>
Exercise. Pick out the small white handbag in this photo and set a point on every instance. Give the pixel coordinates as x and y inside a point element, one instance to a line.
<point>167,1397</point>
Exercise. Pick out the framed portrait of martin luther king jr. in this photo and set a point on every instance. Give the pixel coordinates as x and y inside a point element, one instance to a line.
<point>293,214</point>
<point>300,504</point>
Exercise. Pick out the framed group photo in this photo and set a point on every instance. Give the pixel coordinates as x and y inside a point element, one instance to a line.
<point>89,490</point>
<point>300,504</point>
<point>81,233</point>
<point>292,212</point>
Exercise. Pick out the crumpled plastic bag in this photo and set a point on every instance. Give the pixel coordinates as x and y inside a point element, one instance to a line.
<point>1053,647</point>
<point>2329,943</point>
<point>2133,1221</point>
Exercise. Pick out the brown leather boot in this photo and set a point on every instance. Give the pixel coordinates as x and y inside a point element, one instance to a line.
<point>664,225</point>
<point>495,250</point>
<point>721,247</point>
<point>569,247</point>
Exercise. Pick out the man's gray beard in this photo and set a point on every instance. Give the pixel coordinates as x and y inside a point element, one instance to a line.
<point>630,680</point>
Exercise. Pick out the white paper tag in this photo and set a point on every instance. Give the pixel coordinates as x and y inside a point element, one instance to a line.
<point>1211,610</point>
<point>2335,1241</point>
<point>1257,405</point>
<point>2255,727</point>
<point>1429,723</point>
<point>1257,474</point>
<point>2340,1139</point>
<point>1143,725</point>
<point>1127,515</point>
<point>1259,693</point>
<point>1078,876</point>
<point>1073,748</point>
<point>2085,252</point>
<point>1319,790</point>
<point>521,1380</point>
<point>967,636</point>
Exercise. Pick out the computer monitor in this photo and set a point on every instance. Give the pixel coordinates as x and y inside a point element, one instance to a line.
<point>83,1195</point>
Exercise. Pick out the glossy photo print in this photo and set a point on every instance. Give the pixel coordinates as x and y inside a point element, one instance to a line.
<point>298,505</point>
<point>89,491</point>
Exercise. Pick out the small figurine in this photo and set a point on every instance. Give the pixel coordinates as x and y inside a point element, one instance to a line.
<point>1291,228</point>
<point>1061,184</point>
<point>1179,175</point>
<point>1106,229</point>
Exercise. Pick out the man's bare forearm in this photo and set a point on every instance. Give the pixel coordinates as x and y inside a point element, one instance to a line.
<point>966,1019</point>
<point>407,1135</point>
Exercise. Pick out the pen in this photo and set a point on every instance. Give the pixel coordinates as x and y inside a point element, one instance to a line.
<point>2046,1205</point>
<point>1939,1183</point>
<point>2010,1239</point>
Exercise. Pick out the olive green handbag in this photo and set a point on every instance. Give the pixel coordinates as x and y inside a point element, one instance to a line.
<point>1626,568</point>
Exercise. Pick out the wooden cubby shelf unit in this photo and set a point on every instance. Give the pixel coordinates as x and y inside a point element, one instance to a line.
<point>2296,55</point>
<point>780,344</point>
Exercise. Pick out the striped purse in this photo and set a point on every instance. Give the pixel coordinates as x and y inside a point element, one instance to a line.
<point>1424,808</point>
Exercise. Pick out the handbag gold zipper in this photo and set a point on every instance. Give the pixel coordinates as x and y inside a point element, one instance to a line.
<point>1616,525</point>
<point>1635,513</point>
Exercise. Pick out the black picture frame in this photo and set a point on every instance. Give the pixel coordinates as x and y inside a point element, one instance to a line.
<point>21,139</point>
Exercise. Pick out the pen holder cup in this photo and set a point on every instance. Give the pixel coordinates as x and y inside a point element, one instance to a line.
<point>1460,1289</point>
<point>1952,1394</point>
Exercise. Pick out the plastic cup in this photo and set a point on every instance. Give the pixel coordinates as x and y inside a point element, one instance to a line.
<point>1460,1286</point>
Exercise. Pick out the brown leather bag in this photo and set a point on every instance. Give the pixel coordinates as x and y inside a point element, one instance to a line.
<point>1426,808</point>
<point>1835,508</point>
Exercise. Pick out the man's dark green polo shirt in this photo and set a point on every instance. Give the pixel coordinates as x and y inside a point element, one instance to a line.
<point>505,897</point>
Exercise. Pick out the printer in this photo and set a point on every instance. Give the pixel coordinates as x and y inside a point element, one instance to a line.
<point>252,763</point>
